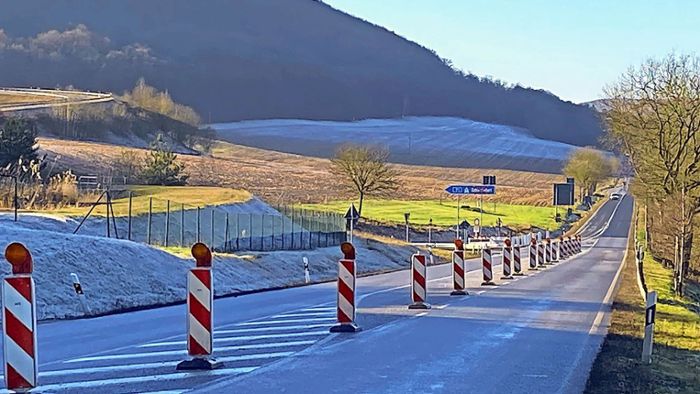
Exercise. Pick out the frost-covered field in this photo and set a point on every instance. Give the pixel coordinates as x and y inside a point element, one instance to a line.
<point>118,275</point>
<point>434,141</point>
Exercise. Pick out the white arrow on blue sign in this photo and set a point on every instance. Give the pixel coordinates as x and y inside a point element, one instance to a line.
<point>471,189</point>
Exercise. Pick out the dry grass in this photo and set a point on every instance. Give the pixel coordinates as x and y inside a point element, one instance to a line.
<point>14,98</point>
<point>287,178</point>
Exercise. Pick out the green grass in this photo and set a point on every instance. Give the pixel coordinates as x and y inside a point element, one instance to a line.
<point>445,213</point>
<point>189,196</point>
<point>675,366</point>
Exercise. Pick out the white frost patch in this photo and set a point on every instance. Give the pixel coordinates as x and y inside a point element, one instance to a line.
<point>118,274</point>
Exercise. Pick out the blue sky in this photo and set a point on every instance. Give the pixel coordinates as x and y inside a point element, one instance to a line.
<point>569,47</point>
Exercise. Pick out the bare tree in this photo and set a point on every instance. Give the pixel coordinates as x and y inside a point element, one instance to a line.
<point>654,118</point>
<point>364,170</point>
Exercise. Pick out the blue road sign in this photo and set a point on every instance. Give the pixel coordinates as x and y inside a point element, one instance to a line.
<point>471,189</point>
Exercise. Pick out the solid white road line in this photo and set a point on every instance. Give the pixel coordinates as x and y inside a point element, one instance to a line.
<point>137,379</point>
<point>128,367</point>
<point>310,314</point>
<point>273,328</point>
<point>184,352</point>
<point>263,322</point>
<point>241,338</point>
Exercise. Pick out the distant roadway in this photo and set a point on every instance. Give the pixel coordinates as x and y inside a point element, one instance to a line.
<point>537,334</point>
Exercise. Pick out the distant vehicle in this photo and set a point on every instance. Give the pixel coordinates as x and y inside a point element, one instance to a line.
<point>615,196</point>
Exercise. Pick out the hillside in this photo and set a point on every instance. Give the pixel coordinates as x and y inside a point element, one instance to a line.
<point>432,141</point>
<point>263,59</point>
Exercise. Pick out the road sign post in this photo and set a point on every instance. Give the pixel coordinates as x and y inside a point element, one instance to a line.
<point>406,216</point>
<point>351,216</point>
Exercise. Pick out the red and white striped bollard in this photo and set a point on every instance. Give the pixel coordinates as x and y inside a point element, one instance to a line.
<point>487,266</point>
<point>200,310</point>
<point>517,266</point>
<point>19,321</point>
<point>419,282</point>
<point>458,270</point>
<point>507,260</point>
<point>347,277</point>
<point>533,254</point>
<point>540,254</point>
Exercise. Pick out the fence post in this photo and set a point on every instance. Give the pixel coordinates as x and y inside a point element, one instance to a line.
<point>212,230</point>
<point>273,232</point>
<point>292,217</point>
<point>283,217</point>
<point>167,222</point>
<point>238,232</point>
<point>128,235</point>
<point>226,234</point>
<point>198,223</point>
<point>250,233</point>
<point>150,215</point>
<point>182,225</point>
<point>262,232</point>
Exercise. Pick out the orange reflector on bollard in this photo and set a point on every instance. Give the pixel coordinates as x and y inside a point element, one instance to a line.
<point>20,258</point>
<point>201,254</point>
<point>348,250</point>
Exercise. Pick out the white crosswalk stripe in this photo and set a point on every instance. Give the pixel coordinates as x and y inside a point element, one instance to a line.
<point>151,367</point>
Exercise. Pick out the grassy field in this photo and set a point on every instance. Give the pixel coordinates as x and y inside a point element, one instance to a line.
<point>676,356</point>
<point>445,213</point>
<point>16,98</point>
<point>282,178</point>
<point>190,196</point>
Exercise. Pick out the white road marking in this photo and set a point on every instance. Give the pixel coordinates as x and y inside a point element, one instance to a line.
<point>316,309</point>
<point>273,328</point>
<point>137,379</point>
<point>184,352</point>
<point>241,338</point>
<point>263,322</point>
<point>172,363</point>
<point>327,313</point>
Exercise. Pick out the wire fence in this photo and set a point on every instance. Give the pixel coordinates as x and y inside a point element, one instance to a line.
<point>226,229</point>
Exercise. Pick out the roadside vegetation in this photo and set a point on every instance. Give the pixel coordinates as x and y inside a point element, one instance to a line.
<point>675,366</point>
<point>652,117</point>
<point>140,113</point>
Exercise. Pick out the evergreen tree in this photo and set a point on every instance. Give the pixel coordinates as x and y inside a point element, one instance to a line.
<point>17,140</point>
<point>161,167</point>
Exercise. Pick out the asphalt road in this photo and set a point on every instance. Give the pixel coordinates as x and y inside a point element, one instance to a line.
<point>536,334</point>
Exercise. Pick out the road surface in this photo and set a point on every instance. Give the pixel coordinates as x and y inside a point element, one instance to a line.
<point>537,334</point>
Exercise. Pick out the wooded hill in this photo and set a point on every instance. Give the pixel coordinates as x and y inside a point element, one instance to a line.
<point>258,59</point>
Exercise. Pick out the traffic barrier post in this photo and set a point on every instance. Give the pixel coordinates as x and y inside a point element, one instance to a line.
<point>200,310</point>
<point>517,266</point>
<point>458,269</point>
<point>649,322</point>
<point>540,254</point>
<point>419,282</point>
<point>507,260</point>
<point>550,251</point>
<point>533,254</point>
<point>19,321</point>
<point>487,266</point>
<point>347,276</point>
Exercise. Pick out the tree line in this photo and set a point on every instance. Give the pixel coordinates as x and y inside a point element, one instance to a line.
<point>653,118</point>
